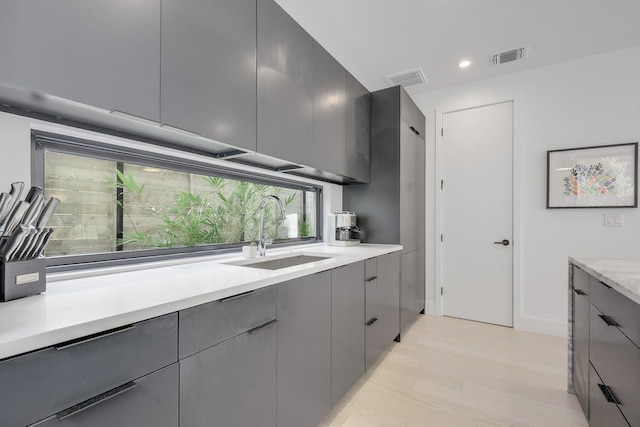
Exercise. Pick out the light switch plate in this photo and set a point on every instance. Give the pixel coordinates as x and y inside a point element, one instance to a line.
<point>613,219</point>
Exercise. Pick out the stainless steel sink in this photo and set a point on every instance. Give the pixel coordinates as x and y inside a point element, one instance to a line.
<point>276,263</point>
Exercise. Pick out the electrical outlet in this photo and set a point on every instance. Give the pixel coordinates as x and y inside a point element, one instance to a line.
<point>613,219</point>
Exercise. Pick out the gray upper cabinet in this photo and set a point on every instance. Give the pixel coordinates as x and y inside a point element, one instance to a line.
<point>285,85</point>
<point>303,311</point>
<point>329,113</point>
<point>347,328</point>
<point>105,54</point>
<point>358,130</point>
<point>209,69</point>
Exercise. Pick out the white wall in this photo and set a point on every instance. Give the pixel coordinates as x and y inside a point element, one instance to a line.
<point>591,101</point>
<point>15,161</point>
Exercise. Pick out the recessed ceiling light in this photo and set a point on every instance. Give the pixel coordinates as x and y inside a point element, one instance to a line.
<point>464,64</point>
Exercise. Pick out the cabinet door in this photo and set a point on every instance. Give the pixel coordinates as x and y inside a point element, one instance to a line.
<point>411,288</point>
<point>388,267</point>
<point>105,54</point>
<point>231,384</point>
<point>347,328</point>
<point>209,69</point>
<point>329,114</point>
<point>412,190</point>
<point>151,401</point>
<point>285,85</point>
<point>304,350</point>
<point>580,321</point>
<point>602,413</point>
<point>358,131</point>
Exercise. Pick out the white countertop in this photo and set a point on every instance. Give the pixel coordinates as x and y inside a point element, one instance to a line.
<point>623,275</point>
<point>76,304</point>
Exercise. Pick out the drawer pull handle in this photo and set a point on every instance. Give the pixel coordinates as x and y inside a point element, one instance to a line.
<point>264,326</point>
<point>608,394</point>
<point>414,130</point>
<point>231,298</point>
<point>605,285</point>
<point>94,337</point>
<point>371,279</point>
<point>608,320</point>
<point>372,321</point>
<point>95,400</point>
<point>579,291</point>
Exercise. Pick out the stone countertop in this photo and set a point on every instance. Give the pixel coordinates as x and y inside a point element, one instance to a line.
<point>82,303</point>
<point>622,275</point>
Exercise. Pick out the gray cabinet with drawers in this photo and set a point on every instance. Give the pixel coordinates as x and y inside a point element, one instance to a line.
<point>55,380</point>
<point>105,54</point>
<point>605,352</point>
<point>382,295</point>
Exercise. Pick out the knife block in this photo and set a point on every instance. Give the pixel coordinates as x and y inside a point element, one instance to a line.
<point>22,278</point>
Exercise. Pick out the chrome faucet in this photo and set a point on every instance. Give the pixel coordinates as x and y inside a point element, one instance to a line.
<point>262,243</point>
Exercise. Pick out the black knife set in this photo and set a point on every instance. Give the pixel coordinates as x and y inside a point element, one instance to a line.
<point>23,236</point>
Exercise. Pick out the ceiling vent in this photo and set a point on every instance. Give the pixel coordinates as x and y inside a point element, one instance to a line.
<point>509,56</point>
<point>407,78</point>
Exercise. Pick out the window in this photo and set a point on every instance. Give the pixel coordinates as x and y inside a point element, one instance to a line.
<point>127,203</point>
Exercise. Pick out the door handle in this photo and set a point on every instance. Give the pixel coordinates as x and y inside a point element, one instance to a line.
<point>505,242</point>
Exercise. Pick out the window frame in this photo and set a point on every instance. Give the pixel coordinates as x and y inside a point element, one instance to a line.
<point>42,141</point>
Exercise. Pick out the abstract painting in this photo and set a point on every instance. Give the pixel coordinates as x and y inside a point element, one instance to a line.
<point>593,177</point>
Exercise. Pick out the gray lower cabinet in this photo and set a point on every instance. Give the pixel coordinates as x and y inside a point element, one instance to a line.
<point>151,401</point>
<point>105,54</point>
<point>580,355</point>
<point>412,287</point>
<point>303,347</point>
<point>603,413</point>
<point>209,69</point>
<point>39,384</point>
<point>232,384</point>
<point>347,328</point>
<point>329,113</point>
<point>382,301</point>
<point>285,85</point>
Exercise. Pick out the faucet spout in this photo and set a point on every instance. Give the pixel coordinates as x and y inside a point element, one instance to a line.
<point>262,243</point>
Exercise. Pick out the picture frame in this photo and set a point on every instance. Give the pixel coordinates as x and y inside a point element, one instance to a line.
<point>603,176</point>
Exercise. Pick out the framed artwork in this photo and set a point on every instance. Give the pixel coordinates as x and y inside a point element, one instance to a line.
<point>593,177</point>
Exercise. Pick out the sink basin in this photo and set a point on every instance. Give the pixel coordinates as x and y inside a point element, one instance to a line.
<point>276,263</point>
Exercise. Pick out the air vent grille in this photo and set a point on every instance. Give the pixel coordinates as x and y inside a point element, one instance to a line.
<point>407,78</point>
<point>509,56</point>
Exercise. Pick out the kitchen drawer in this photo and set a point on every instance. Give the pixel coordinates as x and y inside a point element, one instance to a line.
<point>151,401</point>
<point>602,412</point>
<point>44,382</point>
<point>617,361</point>
<point>581,280</point>
<point>209,324</point>
<point>622,310</point>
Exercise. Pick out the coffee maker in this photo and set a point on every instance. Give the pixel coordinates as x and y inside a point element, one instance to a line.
<point>343,230</point>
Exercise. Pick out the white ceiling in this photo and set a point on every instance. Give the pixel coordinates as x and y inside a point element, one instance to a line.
<point>374,38</point>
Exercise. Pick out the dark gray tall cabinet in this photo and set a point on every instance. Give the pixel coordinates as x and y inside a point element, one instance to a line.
<point>391,209</point>
<point>105,54</point>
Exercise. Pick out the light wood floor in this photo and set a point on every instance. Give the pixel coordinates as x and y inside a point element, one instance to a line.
<point>456,373</point>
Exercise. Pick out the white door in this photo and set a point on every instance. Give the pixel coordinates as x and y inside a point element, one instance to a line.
<point>477,214</point>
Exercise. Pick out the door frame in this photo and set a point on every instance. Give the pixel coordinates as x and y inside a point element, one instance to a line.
<point>517,162</point>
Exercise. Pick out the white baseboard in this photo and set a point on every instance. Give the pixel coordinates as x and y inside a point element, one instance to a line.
<point>541,326</point>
